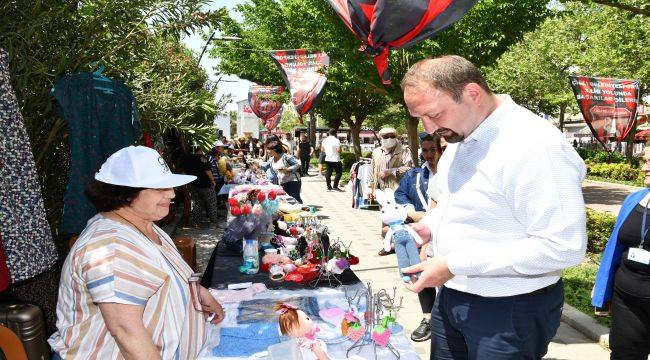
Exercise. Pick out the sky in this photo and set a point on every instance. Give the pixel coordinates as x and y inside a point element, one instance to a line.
<point>229,83</point>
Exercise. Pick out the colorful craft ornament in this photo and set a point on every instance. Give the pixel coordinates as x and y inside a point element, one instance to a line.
<point>356,333</point>
<point>380,335</point>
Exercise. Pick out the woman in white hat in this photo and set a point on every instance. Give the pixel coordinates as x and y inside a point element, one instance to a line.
<point>125,290</point>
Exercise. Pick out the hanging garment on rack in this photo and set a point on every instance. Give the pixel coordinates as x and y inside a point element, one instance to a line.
<point>26,234</point>
<point>361,185</point>
<point>102,117</point>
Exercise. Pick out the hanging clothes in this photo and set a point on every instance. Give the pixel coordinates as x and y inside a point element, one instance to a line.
<point>102,118</point>
<point>26,235</point>
<point>360,180</point>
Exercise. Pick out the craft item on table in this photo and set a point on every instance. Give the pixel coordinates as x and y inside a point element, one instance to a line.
<point>401,236</point>
<point>232,296</point>
<point>294,276</point>
<point>379,316</point>
<point>246,340</point>
<point>276,272</point>
<point>297,324</point>
<point>337,266</point>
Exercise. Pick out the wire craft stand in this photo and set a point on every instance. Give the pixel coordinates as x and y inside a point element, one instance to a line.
<point>377,305</point>
<point>323,273</point>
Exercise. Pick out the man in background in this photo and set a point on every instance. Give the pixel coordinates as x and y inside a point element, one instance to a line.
<point>331,146</point>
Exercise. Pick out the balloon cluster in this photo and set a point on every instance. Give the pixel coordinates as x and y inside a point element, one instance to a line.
<point>251,214</point>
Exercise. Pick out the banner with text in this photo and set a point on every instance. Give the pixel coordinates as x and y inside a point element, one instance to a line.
<point>262,100</point>
<point>607,105</point>
<point>299,69</point>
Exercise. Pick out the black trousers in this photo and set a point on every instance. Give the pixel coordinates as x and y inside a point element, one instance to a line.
<point>304,165</point>
<point>333,166</point>
<point>629,337</point>
<point>427,297</point>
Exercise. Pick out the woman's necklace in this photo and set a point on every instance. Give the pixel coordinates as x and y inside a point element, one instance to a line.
<point>137,228</point>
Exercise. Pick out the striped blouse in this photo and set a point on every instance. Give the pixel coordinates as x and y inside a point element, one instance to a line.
<point>114,263</point>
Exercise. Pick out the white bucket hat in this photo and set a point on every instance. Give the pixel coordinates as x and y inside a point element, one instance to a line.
<point>140,167</point>
<point>219,144</point>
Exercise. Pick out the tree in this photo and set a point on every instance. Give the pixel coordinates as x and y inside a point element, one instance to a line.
<point>632,6</point>
<point>581,40</point>
<point>137,40</point>
<point>354,91</point>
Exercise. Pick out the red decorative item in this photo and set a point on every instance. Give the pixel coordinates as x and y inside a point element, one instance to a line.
<point>261,197</point>
<point>293,230</point>
<point>265,267</point>
<point>233,202</point>
<point>235,211</point>
<point>246,209</point>
<point>294,276</point>
<point>272,195</point>
<point>353,260</point>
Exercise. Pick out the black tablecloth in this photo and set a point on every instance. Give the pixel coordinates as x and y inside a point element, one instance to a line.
<point>223,269</point>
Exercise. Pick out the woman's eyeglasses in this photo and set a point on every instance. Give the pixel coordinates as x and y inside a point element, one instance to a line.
<point>388,136</point>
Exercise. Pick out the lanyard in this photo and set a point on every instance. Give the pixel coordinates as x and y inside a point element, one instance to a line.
<point>644,231</point>
<point>424,203</point>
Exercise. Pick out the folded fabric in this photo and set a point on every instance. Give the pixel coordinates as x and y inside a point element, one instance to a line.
<point>232,296</point>
<point>246,340</point>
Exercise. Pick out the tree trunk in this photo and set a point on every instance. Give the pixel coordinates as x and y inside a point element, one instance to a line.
<point>311,130</point>
<point>629,144</point>
<point>414,144</point>
<point>562,111</point>
<point>355,129</point>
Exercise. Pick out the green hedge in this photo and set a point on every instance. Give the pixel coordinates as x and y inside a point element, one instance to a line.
<point>599,227</point>
<point>367,154</point>
<point>348,158</point>
<point>623,172</point>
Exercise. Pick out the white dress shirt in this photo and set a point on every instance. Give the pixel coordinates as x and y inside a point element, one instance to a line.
<point>510,214</point>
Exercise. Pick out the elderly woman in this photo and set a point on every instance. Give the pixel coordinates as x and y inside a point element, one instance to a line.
<point>125,290</point>
<point>624,275</point>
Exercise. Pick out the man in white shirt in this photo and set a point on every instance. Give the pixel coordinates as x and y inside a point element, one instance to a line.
<point>510,216</point>
<point>332,148</point>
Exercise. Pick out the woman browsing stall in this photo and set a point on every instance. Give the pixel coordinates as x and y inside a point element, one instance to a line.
<point>125,290</point>
<point>287,167</point>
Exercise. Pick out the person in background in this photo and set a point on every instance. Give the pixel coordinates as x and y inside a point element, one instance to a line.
<point>288,169</point>
<point>289,143</point>
<point>331,146</point>
<point>623,279</point>
<point>265,160</point>
<point>254,148</point>
<point>389,162</point>
<point>321,155</point>
<point>305,152</point>
<point>417,191</point>
<point>509,219</point>
<point>204,198</point>
<point>125,290</point>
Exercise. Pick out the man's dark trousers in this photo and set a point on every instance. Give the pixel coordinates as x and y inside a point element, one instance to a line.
<point>333,166</point>
<point>467,326</point>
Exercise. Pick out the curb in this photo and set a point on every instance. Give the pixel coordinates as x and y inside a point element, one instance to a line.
<point>630,187</point>
<point>586,325</point>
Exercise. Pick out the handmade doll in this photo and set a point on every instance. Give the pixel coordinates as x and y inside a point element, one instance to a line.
<point>295,323</point>
<point>400,235</point>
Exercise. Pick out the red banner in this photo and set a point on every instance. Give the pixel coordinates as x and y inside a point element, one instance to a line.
<point>299,69</point>
<point>607,105</point>
<point>261,102</point>
<point>271,123</point>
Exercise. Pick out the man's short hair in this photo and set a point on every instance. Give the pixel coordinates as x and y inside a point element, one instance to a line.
<point>449,73</point>
<point>332,132</point>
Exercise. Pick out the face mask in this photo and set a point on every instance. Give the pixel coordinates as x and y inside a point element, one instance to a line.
<point>388,143</point>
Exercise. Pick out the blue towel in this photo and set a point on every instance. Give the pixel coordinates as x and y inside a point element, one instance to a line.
<point>246,340</point>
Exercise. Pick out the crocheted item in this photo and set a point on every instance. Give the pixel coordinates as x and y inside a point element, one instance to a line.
<point>246,340</point>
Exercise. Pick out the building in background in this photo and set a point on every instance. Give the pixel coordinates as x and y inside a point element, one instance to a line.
<point>247,123</point>
<point>222,122</point>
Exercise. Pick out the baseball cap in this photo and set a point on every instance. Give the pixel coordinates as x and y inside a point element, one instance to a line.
<point>142,167</point>
<point>219,144</point>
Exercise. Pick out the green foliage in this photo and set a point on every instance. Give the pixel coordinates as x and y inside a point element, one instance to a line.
<point>578,283</point>
<point>622,172</point>
<point>580,39</point>
<point>367,154</point>
<point>599,228</point>
<point>599,156</point>
<point>347,159</point>
<point>137,41</point>
<point>354,91</point>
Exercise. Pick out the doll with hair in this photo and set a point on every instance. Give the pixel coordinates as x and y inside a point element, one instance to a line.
<point>295,323</point>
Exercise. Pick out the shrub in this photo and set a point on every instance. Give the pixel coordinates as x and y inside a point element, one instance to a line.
<point>367,154</point>
<point>599,228</point>
<point>623,172</point>
<point>600,157</point>
<point>347,159</point>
